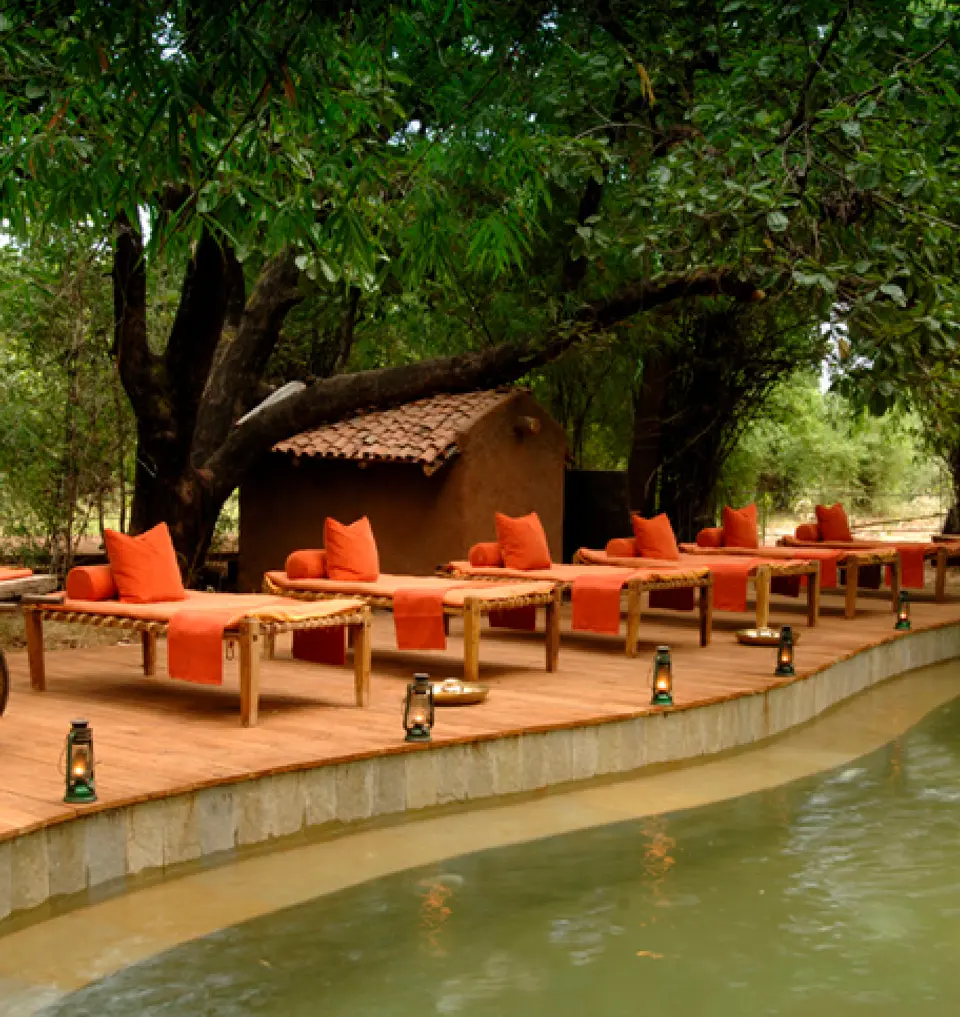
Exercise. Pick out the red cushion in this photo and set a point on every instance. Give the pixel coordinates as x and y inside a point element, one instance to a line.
<point>144,567</point>
<point>486,555</point>
<point>655,537</point>
<point>523,542</point>
<point>91,582</point>
<point>833,522</point>
<point>622,547</point>
<point>310,564</point>
<point>712,536</point>
<point>807,531</point>
<point>351,550</point>
<point>740,526</point>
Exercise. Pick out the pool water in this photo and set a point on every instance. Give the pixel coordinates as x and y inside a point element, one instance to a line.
<point>835,895</point>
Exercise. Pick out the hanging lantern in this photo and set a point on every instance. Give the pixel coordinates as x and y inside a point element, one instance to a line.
<point>662,679</point>
<point>418,709</point>
<point>81,786</point>
<point>785,653</point>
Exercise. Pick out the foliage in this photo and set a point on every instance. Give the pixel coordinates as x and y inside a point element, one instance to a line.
<point>814,447</point>
<point>487,176</point>
<point>64,424</point>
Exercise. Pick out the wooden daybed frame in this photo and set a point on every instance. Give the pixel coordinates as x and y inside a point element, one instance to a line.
<point>851,562</point>
<point>474,607</point>
<point>762,577</point>
<point>247,634</point>
<point>699,580</point>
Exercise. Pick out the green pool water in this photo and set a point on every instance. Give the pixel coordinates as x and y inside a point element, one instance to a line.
<point>833,896</point>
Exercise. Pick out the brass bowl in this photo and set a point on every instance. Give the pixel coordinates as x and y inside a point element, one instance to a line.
<point>762,637</point>
<point>454,692</point>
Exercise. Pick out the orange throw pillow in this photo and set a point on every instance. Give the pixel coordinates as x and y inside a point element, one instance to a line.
<point>91,582</point>
<point>145,566</point>
<point>807,531</point>
<point>833,522</point>
<point>712,536</point>
<point>306,565</point>
<point>523,543</point>
<point>740,526</point>
<point>655,537</point>
<point>485,555</point>
<point>351,551</point>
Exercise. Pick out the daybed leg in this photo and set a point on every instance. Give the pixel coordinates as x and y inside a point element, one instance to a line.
<point>813,597</point>
<point>361,661</point>
<point>33,622</point>
<point>762,586</point>
<point>634,607</point>
<point>552,630</point>
<point>249,672</point>
<point>940,590</point>
<point>706,613</point>
<point>148,641</point>
<point>471,639</point>
<point>446,624</point>
<point>850,593</point>
<point>269,644</point>
<point>895,580</point>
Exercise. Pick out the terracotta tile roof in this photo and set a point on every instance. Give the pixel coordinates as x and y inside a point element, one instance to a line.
<point>423,432</point>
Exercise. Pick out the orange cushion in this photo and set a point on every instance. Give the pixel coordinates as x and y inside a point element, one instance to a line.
<point>833,522</point>
<point>523,543</point>
<point>351,550</point>
<point>91,582</point>
<point>807,531</point>
<point>655,537</point>
<point>712,536</point>
<point>486,555</point>
<point>622,547</point>
<point>310,564</point>
<point>145,566</point>
<point>740,526</point>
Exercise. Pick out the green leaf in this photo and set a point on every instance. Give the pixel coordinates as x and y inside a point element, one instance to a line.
<point>777,221</point>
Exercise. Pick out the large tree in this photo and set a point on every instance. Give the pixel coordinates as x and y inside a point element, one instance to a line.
<point>546,172</point>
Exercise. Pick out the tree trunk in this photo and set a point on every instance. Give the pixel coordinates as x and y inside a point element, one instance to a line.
<point>952,522</point>
<point>646,455</point>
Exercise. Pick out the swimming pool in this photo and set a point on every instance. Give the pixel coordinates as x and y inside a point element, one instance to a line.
<point>837,893</point>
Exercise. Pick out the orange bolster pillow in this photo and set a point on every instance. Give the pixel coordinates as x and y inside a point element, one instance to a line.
<point>807,531</point>
<point>486,555</point>
<point>712,536</point>
<point>622,547</point>
<point>91,582</point>
<point>311,564</point>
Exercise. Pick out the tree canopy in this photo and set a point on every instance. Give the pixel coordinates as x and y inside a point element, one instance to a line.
<point>394,199</point>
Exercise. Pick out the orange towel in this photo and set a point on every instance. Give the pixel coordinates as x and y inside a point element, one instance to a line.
<point>418,619</point>
<point>596,601</point>
<point>730,583</point>
<point>321,646</point>
<point>6,574</point>
<point>911,565</point>
<point>195,644</point>
<point>523,619</point>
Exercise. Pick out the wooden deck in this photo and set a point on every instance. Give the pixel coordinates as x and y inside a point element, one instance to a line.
<point>155,737</point>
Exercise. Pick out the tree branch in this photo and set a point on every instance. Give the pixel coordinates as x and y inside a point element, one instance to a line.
<point>800,115</point>
<point>334,398</point>
<point>243,352</point>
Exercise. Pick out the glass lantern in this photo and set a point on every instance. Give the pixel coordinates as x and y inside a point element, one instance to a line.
<point>785,653</point>
<point>662,678</point>
<point>903,612</point>
<point>81,786</point>
<point>418,710</point>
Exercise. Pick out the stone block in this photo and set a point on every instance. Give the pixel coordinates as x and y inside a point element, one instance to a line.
<point>421,776</point>
<point>532,762</point>
<point>105,846</point>
<point>507,765</point>
<point>144,833</point>
<point>319,787</point>
<point>6,878</point>
<point>479,766</point>
<point>390,785</point>
<point>354,782</point>
<point>216,819</point>
<point>181,830</point>
<point>451,768</point>
<point>586,752</point>
<point>67,859</point>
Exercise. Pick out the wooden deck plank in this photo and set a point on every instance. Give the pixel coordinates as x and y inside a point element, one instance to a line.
<point>156,737</point>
